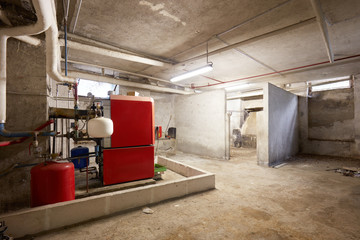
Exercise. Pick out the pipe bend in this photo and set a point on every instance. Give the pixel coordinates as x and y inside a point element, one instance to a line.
<point>52,57</point>
<point>44,21</point>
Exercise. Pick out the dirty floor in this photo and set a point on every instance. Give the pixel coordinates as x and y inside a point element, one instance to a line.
<point>301,200</point>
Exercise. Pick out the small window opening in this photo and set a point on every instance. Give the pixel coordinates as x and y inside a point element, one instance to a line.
<point>98,89</point>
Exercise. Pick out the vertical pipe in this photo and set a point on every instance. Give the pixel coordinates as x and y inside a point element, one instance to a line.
<point>62,137</point>
<point>3,43</point>
<point>66,52</point>
<point>227,136</point>
<point>54,138</point>
<point>68,139</point>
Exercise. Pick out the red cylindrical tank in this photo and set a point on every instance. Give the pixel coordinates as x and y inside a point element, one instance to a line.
<point>52,182</point>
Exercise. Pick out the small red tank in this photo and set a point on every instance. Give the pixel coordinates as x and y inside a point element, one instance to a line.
<point>52,182</point>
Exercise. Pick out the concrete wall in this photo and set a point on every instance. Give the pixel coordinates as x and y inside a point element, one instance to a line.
<point>278,126</point>
<point>262,136</point>
<point>200,123</point>
<point>329,122</point>
<point>248,131</point>
<point>26,110</point>
<point>234,107</point>
<point>331,115</point>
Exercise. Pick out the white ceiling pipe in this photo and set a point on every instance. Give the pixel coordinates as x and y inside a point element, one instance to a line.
<point>52,56</point>
<point>44,17</point>
<point>29,40</point>
<point>44,20</point>
<point>52,50</point>
<point>123,71</point>
<point>3,41</point>
<point>111,53</point>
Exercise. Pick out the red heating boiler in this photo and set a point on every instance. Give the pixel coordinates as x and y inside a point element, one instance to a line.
<point>52,182</point>
<point>131,156</point>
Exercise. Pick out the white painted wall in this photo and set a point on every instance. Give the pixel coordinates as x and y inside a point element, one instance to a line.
<point>200,123</point>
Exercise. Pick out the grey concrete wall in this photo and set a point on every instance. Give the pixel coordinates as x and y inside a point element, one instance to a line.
<point>262,130</point>
<point>336,131</point>
<point>277,126</point>
<point>331,115</point>
<point>200,123</point>
<point>355,148</point>
<point>283,125</point>
<point>26,110</point>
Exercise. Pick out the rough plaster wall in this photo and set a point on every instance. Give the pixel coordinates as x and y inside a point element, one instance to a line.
<point>331,115</point>
<point>332,148</point>
<point>26,110</point>
<point>283,125</point>
<point>252,103</point>
<point>249,127</point>
<point>200,123</point>
<point>234,106</point>
<point>355,149</point>
<point>262,136</point>
<point>164,109</point>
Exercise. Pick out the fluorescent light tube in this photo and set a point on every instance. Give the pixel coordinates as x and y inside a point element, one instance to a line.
<point>192,73</point>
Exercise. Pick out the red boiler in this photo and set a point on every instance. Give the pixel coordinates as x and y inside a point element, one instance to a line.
<point>52,182</point>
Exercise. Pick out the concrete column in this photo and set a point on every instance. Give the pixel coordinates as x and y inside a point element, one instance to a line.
<point>356,147</point>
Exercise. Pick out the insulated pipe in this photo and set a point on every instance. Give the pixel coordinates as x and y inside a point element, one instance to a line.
<point>112,53</point>
<point>29,40</point>
<point>5,133</point>
<point>45,19</point>
<point>3,41</point>
<point>52,51</point>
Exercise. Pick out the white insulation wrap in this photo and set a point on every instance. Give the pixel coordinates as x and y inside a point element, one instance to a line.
<point>100,127</point>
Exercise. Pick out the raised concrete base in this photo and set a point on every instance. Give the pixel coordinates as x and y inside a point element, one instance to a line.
<point>53,216</point>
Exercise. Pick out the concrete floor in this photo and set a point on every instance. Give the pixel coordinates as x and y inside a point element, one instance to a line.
<point>298,201</point>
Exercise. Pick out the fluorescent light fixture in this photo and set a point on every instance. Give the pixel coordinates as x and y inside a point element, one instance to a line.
<point>331,86</point>
<point>314,82</point>
<point>195,72</point>
<point>197,91</point>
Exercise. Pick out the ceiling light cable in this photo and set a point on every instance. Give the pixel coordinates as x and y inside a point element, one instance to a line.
<point>204,69</point>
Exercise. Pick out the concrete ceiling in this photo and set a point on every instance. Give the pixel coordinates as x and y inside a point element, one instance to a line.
<point>267,36</point>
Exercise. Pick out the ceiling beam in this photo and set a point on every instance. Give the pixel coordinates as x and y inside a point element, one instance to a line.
<point>253,39</point>
<point>100,78</point>
<point>323,28</point>
<point>249,56</point>
<point>235,27</point>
